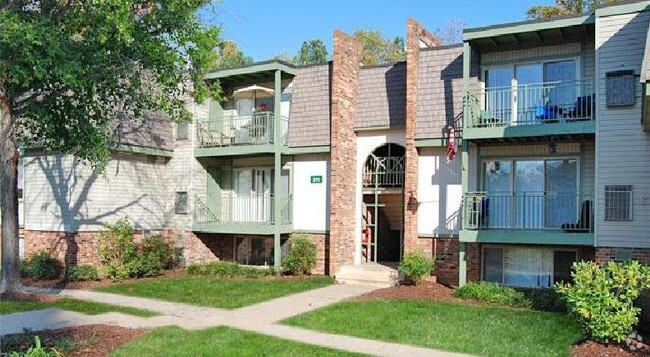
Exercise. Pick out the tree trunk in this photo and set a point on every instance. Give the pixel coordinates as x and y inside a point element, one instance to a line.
<point>8,201</point>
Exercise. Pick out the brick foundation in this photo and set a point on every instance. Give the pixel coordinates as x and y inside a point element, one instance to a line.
<point>322,242</point>
<point>447,254</point>
<point>606,254</point>
<point>345,85</point>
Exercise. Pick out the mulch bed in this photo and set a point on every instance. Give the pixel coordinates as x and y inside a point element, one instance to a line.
<point>438,292</point>
<point>87,341</point>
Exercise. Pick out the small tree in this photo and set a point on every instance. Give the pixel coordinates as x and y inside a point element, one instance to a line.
<point>564,7</point>
<point>602,298</point>
<point>377,49</point>
<point>301,258</point>
<point>231,56</point>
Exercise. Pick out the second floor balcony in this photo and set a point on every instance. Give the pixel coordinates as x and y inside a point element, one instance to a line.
<point>547,108</point>
<point>232,130</point>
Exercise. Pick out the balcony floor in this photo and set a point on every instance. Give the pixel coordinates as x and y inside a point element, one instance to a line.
<point>570,130</point>
<point>255,228</point>
<point>526,236</point>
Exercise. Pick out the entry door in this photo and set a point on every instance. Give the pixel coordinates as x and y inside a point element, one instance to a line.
<point>261,194</point>
<point>562,192</point>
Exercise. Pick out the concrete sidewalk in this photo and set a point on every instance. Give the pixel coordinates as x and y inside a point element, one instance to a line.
<point>260,318</point>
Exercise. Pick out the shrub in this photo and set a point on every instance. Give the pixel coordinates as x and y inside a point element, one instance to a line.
<point>37,351</point>
<point>492,293</point>
<point>602,298</point>
<point>416,266</point>
<point>544,299</point>
<point>117,249</point>
<point>41,266</point>
<point>228,270</point>
<point>301,258</point>
<point>85,272</point>
<point>22,270</point>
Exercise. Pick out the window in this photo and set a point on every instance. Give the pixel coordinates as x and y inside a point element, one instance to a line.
<point>618,203</point>
<point>20,178</point>
<point>21,248</point>
<point>182,131</point>
<point>620,88</point>
<point>254,251</point>
<point>181,205</point>
<point>527,267</point>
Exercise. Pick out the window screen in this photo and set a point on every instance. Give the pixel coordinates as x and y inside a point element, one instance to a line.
<point>618,203</point>
<point>181,205</point>
<point>620,88</point>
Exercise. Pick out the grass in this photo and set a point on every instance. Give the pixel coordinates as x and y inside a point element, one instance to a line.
<point>219,341</point>
<point>479,330</point>
<point>215,292</point>
<point>84,307</point>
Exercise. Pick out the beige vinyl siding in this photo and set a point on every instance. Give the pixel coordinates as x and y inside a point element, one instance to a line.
<point>63,194</point>
<point>623,156</point>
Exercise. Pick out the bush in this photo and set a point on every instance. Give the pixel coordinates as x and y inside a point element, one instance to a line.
<point>22,270</point>
<point>117,249</point>
<point>37,351</point>
<point>544,299</point>
<point>228,270</point>
<point>301,258</point>
<point>492,293</point>
<point>85,272</point>
<point>122,258</point>
<point>416,266</point>
<point>602,298</point>
<point>41,266</point>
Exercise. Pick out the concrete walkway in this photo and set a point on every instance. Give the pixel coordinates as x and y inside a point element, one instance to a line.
<point>261,318</point>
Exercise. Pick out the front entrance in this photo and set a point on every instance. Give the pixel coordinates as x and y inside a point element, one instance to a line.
<point>382,210</point>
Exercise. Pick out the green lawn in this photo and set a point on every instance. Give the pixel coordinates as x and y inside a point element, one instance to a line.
<point>219,341</point>
<point>85,307</point>
<point>215,292</point>
<point>480,330</point>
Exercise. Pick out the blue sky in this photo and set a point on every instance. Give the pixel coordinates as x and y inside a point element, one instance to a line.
<point>264,28</point>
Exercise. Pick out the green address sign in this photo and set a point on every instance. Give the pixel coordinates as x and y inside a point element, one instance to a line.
<point>317,179</point>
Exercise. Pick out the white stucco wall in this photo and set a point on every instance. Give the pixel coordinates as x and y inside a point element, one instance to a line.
<point>440,193</point>
<point>311,200</point>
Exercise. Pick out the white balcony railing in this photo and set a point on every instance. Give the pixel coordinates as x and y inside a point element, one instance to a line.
<point>568,211</point>
<point>237,209</point>
<point>531,104</point>
<point>231,130</point>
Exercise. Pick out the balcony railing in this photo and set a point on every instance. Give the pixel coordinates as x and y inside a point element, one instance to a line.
<point>566,211</point>
<point>384,171</point>
<point>231,130</point>
<point>250,209</point>
<point>531,104</point>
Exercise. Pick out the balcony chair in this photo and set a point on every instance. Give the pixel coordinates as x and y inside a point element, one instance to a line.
<point>585,222</point>
<point>582,109</point>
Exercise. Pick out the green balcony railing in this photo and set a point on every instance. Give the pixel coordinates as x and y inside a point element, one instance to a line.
<point>531,104</point>
<point>571,212</point>
<point>233,130</point>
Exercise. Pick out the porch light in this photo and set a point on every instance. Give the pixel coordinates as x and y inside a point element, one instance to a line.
<point>412,204</point>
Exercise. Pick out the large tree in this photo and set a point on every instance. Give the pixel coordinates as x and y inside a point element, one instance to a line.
<point>230,55</point>
<point>377,49</point>
<point>564,7</point>
<point>312,51</point>
<point>68,69</point>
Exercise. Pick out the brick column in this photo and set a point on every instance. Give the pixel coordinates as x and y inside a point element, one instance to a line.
<point>417,37</point>
<point>345,84</point>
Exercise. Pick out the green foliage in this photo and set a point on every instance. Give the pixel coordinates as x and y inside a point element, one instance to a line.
<point>301,258</point>
<point>564,7</point>
<point>544,299</point>
<point>230,55</point>
<point>122,258</point>
<point>416,266</point>
<point>376,49</point>
<point>228,270</point>
<point>37,351</point>
<point>41,266</point>
<point>493,294</point>
<point>117,249</point>
<point>84,272</point>
<point>602,298</point>
<point>312,51</point>
<point>23,271</point>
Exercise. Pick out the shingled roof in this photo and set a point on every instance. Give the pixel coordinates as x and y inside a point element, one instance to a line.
<point>382,96</point>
